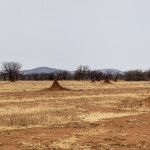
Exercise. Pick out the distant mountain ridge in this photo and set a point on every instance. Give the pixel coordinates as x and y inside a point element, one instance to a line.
<point>40,70</point>
<point>113,71</point>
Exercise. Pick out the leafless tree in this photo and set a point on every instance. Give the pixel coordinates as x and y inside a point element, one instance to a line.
<point>3,76</point>
<point>11,69</point>
<point>147,75</point>
<point>134,75</point>
<point>96,75</point>
<point>82,73</point>
<point>63,75</point>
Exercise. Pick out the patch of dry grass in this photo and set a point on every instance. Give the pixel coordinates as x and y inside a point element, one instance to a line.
<point>97,116</point>
<point>33,146</point>
<point>21,106</point>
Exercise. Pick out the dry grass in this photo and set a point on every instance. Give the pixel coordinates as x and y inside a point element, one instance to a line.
<point>23,105</point>
<point>33,146</point>
<point>45,108</point>
<point>97,116</point>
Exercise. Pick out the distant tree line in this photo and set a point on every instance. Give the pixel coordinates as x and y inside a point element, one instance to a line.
<point>11,71</point>
<point>137,75</point>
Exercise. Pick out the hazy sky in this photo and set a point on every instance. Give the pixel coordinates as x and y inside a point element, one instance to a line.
<point>68,33</point>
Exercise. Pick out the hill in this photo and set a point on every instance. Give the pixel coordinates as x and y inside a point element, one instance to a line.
<point>112,71</point>
<point>40,70</point>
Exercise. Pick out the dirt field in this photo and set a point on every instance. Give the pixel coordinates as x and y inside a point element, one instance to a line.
<point>92,116</point>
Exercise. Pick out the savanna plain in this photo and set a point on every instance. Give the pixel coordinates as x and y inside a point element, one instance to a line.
<point>90,116</point>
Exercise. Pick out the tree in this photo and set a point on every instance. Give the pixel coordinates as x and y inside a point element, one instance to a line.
<point>82,73</point>
<point>12,70</point>
<point>3,76</point>
<point>51,76</point>
<point>147,75</point>
<point>134,75</point>
<point>63,75</point>
<point>96,75</point>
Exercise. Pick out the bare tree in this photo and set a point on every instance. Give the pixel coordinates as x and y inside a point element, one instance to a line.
<point>12,70</point>
<point>82,73</point>
<point>134,75</point>
<point>147,75</point>
<point>3,76</point>
<point>63,75</point>
<point>96,75</point>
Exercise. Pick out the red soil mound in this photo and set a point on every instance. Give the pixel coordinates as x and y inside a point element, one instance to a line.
<point>92,80</point>
<point>56,87</point>
<point>115,80</point>
<point>107,80</point>
<point>12,81</point>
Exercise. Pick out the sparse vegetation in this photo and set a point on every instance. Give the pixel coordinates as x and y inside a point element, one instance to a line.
<point>76,119</point>
<point>11,72</point>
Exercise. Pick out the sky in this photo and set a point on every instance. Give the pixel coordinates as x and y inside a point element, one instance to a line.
<point>64,34</point>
